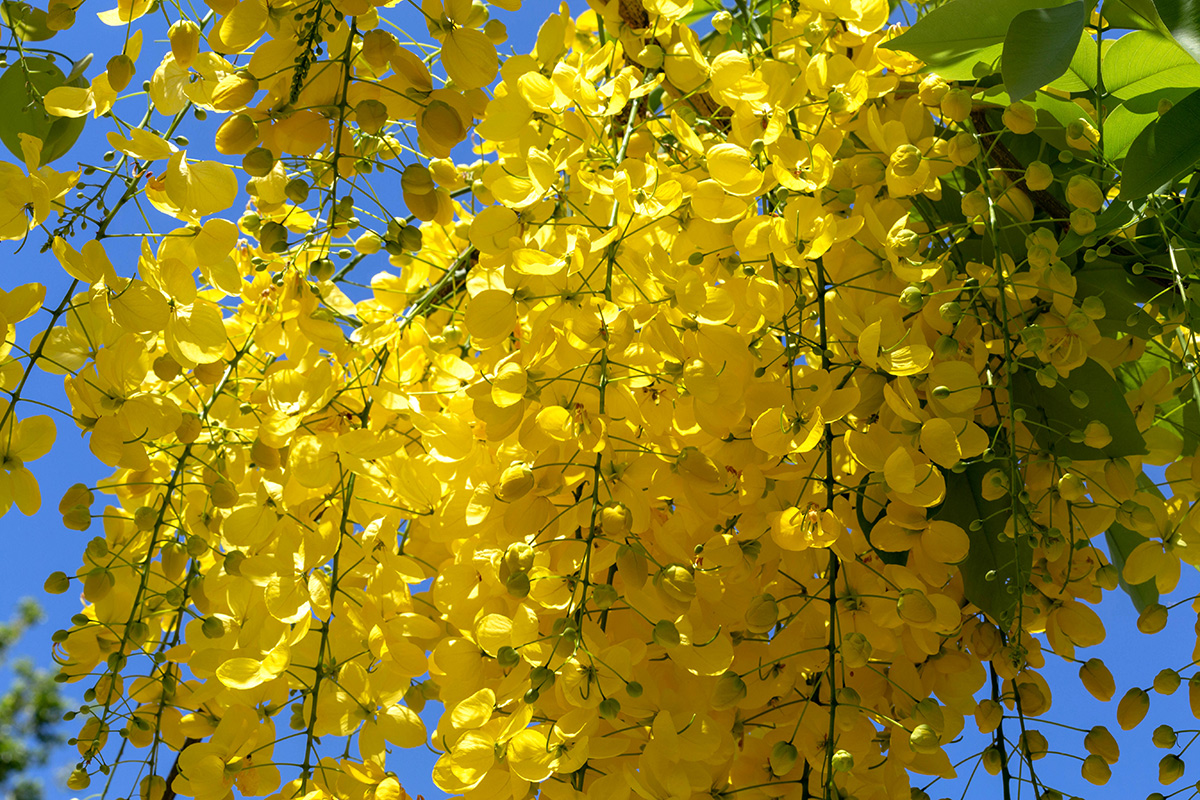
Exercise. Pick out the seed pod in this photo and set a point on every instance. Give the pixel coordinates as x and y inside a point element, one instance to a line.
<point>1132,708</point>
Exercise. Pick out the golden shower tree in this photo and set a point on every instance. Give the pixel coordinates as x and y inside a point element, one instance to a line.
<point>710,403</point>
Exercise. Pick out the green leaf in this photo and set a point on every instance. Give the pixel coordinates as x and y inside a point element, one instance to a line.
<point>1135,15</point>
<point>1116,288</point>
<point>959,28</point>
<point>1081,74</point>
<point>1163,151</point>
<point>1182,19</point>
<point>1143,62</point>
<point>996,567</point>
<point>26,114</point>
<point>1052,416</point>
<point>1039,46</point>
<point>1121,127</point>
<point>973,66</point>
<point>27,23</point>
<point>1121,542</point>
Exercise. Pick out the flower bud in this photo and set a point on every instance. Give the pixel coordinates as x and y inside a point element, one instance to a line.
<point>1033,744</point>
<point>1099,741</point>
<point>783,758</point>
<point>236,90</point>
<point>1038,176</point>
<point>856,650</point>
<point>236,135</point>
<point>185,42</point>
<point>762,614</point>
<point>924,739</point>
<point>631,564</point>
<point>905,161</point>
<point>1152,619</point>
<point>57,583</point>
<point>1170,769</point>
<point>1132,708</point>
<point>676,583</point>
<point>1083,221</point>
<point>515,483</point>
<point>1095,770</point>
<point>915,608</point>
<point>988,715</point>
<point>963,149</point>
<point>729,691</point>
<point>120,71</point>
<point>666,634</point>
<point>616,519</point>
<point>1166,681</point>
<point>1164,737</point>
<point>956,105</point>
<point>371,115</point>
<point>1097,680</point>
<point>1019,118</point>
<point>933,90</point>
<point>993,761</point>
<point>1082,192</point>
